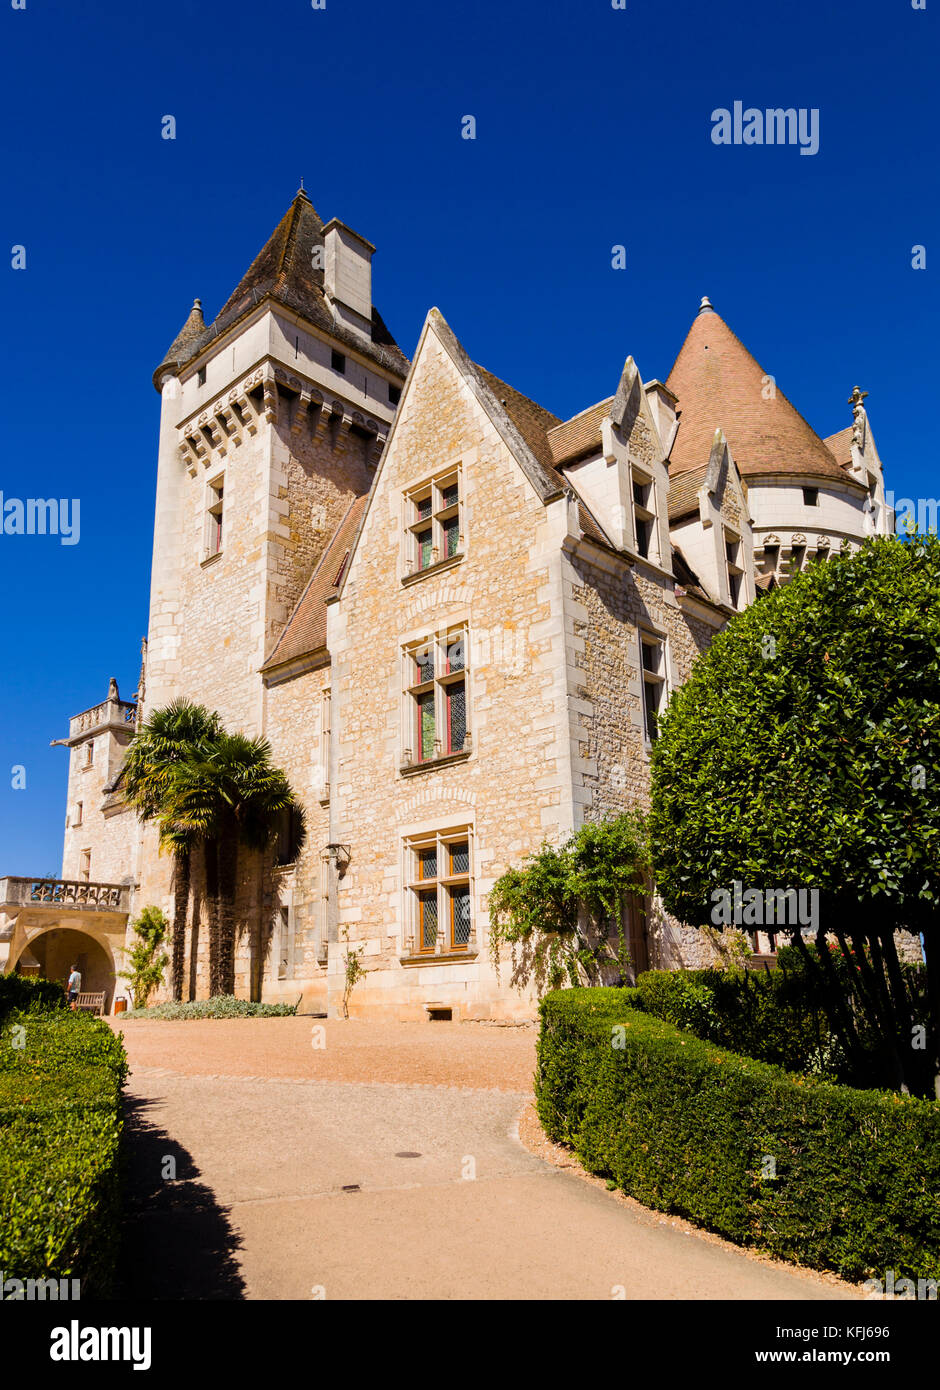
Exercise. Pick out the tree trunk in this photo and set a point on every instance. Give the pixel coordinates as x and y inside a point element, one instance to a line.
<point>180,909</point>
<point>211,851</point>
<point>227,889</point>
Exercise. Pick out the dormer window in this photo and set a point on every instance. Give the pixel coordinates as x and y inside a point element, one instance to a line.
<point>644,515</point>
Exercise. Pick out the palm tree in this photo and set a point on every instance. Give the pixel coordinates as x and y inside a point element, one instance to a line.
<point>173,738</point>
<point>230,797</point>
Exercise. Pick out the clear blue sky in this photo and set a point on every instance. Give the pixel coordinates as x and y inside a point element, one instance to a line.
<point>593,129</point>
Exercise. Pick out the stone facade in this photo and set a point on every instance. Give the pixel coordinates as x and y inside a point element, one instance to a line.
<point>315,541</point>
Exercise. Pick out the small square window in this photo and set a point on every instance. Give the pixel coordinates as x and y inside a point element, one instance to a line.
<point>338,362</point>
<point>811,497</point>
<point>394,394</point>
<point>201,376</point>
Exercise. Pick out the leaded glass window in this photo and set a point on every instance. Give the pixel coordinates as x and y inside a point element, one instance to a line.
<point>433,523</point>
<point>439,892</point>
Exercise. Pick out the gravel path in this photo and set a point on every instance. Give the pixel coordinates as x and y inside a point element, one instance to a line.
<point>384,1162</point>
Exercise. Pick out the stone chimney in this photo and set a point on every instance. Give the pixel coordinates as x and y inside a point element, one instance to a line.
<point>347,277</point>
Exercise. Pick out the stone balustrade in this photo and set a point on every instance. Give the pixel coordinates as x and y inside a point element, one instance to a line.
<point>64,893</point>
<point>108,712</point>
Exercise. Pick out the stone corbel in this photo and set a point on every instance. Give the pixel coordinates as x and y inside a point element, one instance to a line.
<point>247,407</point>
<point>231,423</point>
<point>269,389</point>
<point>189,457</point>
<point>300,412</point>
<point>374,451</point>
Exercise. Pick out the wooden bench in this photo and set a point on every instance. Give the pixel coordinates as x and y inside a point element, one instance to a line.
<point>95,1002</point>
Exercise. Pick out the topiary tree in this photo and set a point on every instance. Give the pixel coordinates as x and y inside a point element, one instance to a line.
<point>804,752</point>
<point>560,909</point>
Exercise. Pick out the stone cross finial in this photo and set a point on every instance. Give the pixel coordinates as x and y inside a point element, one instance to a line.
<point>857,396</point>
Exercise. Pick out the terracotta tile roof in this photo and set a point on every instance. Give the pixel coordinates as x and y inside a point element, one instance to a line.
<point>720,385</point>
<point>305,630</point>
<point>531,420</point>
<point>283,270</point>
<point>536,425</point>
<point>683,492</point>
<point>579,435</point>
<point>840,446</point>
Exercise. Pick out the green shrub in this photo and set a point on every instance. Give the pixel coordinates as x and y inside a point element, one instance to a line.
<point>688,1127</point>
<point>775,1017</point>
<point>61,1075</point>
<point>25,992</point>
<point>222,1006</point>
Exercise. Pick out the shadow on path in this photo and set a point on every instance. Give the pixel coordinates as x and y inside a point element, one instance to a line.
<point>176,1240</point>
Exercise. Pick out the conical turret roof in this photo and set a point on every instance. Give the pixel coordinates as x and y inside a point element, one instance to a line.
<point>180,349</point>
<point>720,385</point>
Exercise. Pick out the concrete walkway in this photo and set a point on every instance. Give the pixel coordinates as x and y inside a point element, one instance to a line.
<point>248,1185</point>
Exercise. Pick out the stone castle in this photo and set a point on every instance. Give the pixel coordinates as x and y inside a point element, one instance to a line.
<point>453,615</point>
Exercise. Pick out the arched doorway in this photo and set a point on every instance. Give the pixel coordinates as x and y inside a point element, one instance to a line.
<point>55,951</point>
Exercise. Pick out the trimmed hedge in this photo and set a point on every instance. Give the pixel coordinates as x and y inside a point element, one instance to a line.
<point>60,1127</point>
<point>26,992</point>
<point>686,1127</point>
<point>774,1017</point>
<point>221,1006</point>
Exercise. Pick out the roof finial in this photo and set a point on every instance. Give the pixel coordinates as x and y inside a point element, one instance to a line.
<point>706,305</point>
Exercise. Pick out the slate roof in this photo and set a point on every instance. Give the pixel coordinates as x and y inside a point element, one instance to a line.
<point>720,385</point>
<point>283,271</point>
<point>305,630</point>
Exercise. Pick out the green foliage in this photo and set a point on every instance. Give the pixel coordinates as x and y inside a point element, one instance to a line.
<point>27,993</point>
<point>686,1127</point>
<point>804,751</point>
<point>558,911</point>
<point>209,788</point>
<point>353,970</point>
<point>147,961</point>
<point>220,1006</point>
<point>777,1017</point>
<point>61,1075</point>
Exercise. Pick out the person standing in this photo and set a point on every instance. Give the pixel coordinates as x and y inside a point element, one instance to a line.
<point>73,989</point>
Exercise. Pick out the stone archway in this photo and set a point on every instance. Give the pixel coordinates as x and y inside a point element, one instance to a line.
<point>56,949</point>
